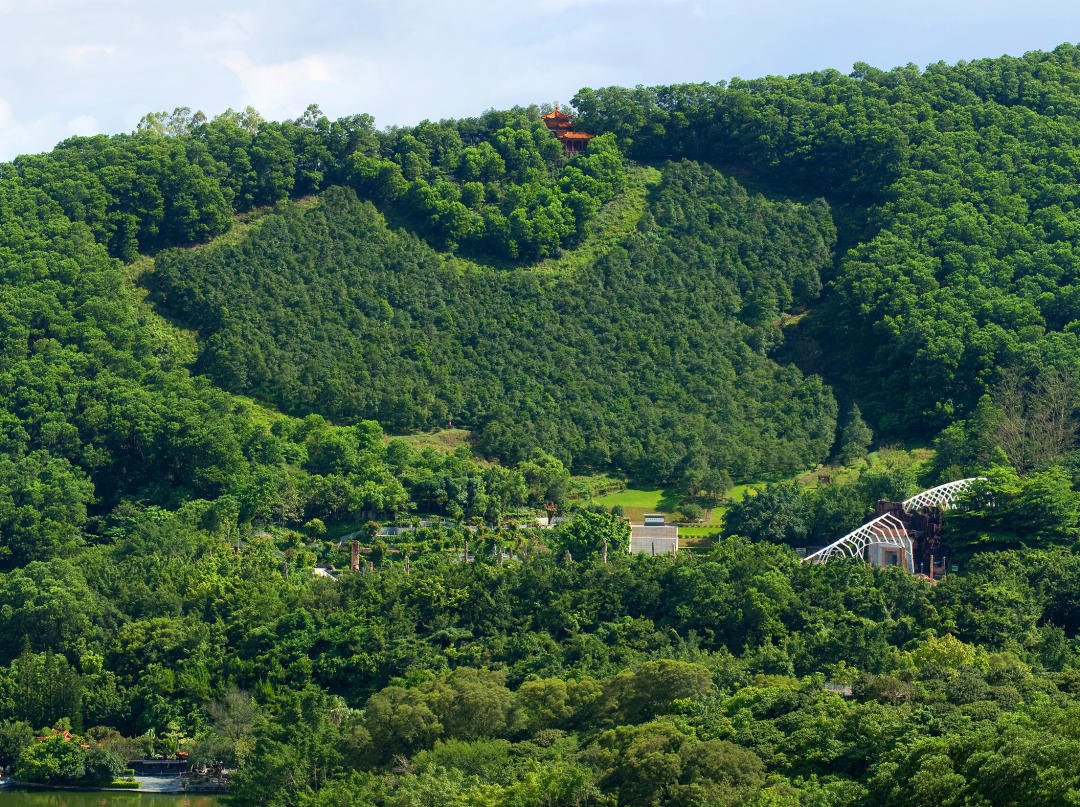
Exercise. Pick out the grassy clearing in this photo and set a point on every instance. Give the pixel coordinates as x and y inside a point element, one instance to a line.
<point>260,412</point>
<point>654,499</point>
<point>182,343</point>
<point>445,440</point>
<point>639,501</point>
<point>617,218</point>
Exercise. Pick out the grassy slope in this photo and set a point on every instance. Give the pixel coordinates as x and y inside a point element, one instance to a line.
<point>445,440</point>
<point>182,343</point>
<point>617,218</point>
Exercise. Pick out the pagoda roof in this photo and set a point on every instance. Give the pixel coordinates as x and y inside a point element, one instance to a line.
<point>575,136</point>
<point>556,114</point>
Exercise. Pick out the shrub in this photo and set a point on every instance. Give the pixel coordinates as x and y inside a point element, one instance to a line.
<point>52,760</point>
<point>104,764</point>
<point>691,511</point>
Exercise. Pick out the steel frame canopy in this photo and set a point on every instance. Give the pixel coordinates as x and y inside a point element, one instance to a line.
<point>943,496</point>
<point>888,530</point>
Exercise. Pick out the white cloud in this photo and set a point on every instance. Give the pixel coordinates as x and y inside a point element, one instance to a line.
<point>271,87</point>
<point>7,118</point>
<point>19,137</point>
<point>77,65</point>
<point>78,54</point>
<point>84,125</point>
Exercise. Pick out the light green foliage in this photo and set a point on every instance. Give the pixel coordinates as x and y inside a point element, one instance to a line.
<point>590,532</point>
<point>51,761</point>
<point>947,651</point>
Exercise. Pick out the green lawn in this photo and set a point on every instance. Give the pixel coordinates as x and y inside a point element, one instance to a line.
<point>716,523</point>
<point>639,501</point>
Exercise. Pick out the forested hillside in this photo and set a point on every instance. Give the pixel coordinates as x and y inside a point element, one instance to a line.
<point>224,341</point>
<point>968,175</point>
<point>650,360</point>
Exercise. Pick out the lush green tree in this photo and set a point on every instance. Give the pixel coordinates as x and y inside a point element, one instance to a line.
<point>55,759</point>
<point>691,511</point>
<point>1006,510</point>
<point>42,506</point>
<point>654,763</point>
<point>15,735</point>
<point>856,437</point>
<point>589,533</point>
<point>643,693</point>
<point>776,514</point>
<point>470,704</point>
<point>45,605</point>
<point>400,721</point>
<point>104,764</point>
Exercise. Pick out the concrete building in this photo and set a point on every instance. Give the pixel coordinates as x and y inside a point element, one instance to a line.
<point>654,537</point>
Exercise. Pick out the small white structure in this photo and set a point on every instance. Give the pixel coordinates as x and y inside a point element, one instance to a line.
<point>654,537</point>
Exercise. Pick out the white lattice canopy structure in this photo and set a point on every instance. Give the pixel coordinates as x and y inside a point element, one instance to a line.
<point>943,496</point>
<point>888,532</point>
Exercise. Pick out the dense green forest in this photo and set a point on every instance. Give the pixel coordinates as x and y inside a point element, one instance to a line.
<point>225,339</point>
<point>962,183</point>
<point>649,360</point>
<point>542,681</point>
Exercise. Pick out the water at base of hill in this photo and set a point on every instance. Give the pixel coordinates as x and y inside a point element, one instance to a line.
<point>110,798</point>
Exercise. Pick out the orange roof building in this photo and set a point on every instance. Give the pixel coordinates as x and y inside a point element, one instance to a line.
<point>557,120</point>
<point>561,124</point>
<point>574,141</point>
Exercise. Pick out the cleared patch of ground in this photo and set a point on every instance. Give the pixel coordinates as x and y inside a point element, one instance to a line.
<point>446,440</point>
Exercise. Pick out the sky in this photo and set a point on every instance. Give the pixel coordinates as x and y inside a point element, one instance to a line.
<point>82,67</point>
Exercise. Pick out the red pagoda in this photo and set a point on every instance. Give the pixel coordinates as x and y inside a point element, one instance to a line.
<point>561,124</point>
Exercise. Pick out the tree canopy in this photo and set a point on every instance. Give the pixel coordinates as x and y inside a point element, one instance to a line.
<point>230,347</point>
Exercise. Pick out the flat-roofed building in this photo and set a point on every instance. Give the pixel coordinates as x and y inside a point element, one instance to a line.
<point>654,537</point>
